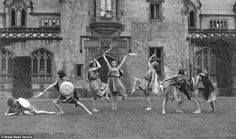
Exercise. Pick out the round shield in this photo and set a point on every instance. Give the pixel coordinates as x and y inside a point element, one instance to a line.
<point>67,88</point>
<point>24,103</point>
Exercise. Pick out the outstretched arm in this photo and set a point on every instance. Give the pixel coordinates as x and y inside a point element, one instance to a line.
<point>123,61</point>
<point>108,64</point>
<point>167,79</point>
<point>44,91</point>
<point>98,66</point>
<point>149,61</point>
<point>9,114</point>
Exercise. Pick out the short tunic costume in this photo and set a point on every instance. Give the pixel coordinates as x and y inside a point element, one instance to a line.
<point>98,88</point>
<point>204,89</point>
<point>176,88</point>
<point>144,84</point>
<point>115,84</point>
<point>63,99</point>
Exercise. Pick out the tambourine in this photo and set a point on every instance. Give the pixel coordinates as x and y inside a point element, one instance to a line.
<point>67,88</point>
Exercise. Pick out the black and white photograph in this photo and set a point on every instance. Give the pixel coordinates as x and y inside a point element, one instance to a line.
<point>117,69</point>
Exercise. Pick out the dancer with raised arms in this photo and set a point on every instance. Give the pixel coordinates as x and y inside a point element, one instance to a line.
<point>98,88</point>
<point>149,83</point>
<point>115,84</point>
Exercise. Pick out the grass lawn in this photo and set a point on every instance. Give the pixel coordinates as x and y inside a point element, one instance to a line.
<point>130,121</point>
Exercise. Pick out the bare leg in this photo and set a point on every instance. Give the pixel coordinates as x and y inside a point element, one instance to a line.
<point>178,107</point>
<point>115,102</point>
<point>135,84</point>
<point>198,106</point>
<point>212,106</point>
<point>44,112</point>
<point>56,104</point>
<point>148,102</point>
<point>164,105</point>
<point>82,106</point>
<point>94,106</point>
<point>107,96</point>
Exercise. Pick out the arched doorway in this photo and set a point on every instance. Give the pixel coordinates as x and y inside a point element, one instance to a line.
<point>103,71</point>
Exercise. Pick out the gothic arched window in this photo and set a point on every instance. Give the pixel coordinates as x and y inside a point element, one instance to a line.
<point>41,65</point>
<point>13,17</point>
<point>6,65</point>
<point>23,17</point>
<point>192,19</point>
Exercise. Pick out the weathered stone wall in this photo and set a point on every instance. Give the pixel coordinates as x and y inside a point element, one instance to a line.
<point>170,34</point>
<point>74,19</point>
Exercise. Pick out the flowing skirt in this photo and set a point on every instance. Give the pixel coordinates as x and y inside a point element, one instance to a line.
<point>143,84</point>
<point>116,86</point>
<point>173,93</point>
<point>99,88</point>
<point>199,95</point>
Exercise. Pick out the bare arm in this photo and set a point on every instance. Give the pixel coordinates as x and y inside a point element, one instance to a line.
<point>98,66</point>
<point>167,79</point>
<point>9,114</point>
<point>44,91</point>
<point>149,61</point>
<point>123,61</point>
<point>108,64</point>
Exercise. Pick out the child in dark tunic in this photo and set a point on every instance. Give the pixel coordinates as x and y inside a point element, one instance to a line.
<point>176,90</point>
<point>73,99</point>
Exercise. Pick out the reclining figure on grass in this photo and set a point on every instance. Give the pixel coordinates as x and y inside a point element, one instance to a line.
<point>22,106</point>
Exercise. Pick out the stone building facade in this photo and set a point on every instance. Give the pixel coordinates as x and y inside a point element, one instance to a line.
<point>40,37</point>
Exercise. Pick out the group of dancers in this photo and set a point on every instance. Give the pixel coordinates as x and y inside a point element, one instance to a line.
<point>198,88</point>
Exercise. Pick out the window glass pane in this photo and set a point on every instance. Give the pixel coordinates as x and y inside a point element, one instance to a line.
<point>10,65</point>
<point>152,8</point>
<point>79,70</point>
<point>18,18</point>
<point>191,18</point>
<point>42,64</point>
<point>23,17</point>
<point>49,65</point>
<point>3,64</point>
<point>13,17</point>
<point>157,11</point>
<point>35,65</point>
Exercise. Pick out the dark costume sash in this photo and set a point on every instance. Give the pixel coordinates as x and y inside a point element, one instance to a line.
<point>208,86</point>
<point>181,84</point>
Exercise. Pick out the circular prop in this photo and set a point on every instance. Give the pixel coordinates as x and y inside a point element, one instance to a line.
<point>67,88</point>
<point>24,103</point>
<point>132,54</point>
